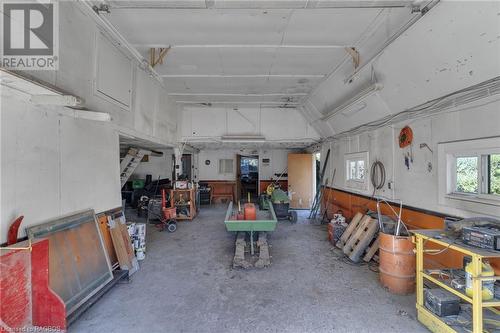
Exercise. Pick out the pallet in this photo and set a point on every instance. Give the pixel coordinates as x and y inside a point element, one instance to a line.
<point>243,258</point>
<point>350,229</point>
<point>360,239</point>
<point>371,250</point>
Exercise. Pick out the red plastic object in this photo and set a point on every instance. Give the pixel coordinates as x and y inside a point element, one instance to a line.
<point>250,212</point>
<point>405,137</point>
<point>12,233</point>
<point>49,309</point>
<point>27,299</point>
<point>169,213</point>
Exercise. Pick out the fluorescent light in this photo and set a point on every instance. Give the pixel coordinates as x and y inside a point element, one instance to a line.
<point>243,138</point>
<point>86,114</point>
<point>355,100</point>
<point>63,100</point>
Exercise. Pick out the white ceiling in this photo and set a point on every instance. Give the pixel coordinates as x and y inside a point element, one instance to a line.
<point>271,53</point>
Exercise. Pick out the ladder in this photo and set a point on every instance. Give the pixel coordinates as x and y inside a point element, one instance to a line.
<point>130,162</point>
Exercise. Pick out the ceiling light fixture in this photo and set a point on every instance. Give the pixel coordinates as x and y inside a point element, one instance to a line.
<point>353,101</point>
<point>243,138</point>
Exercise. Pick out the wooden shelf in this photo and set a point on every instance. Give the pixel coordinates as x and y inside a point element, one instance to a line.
<point>189,196</point>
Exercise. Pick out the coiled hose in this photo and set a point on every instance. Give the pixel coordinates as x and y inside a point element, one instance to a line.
<point>377,176</point>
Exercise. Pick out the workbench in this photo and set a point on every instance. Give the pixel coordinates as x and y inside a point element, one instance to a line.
<point>440,242</point>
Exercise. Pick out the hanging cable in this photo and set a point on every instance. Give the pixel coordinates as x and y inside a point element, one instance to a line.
<point>377,175</point>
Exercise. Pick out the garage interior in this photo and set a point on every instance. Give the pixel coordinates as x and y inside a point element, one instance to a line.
<point>251,166</point>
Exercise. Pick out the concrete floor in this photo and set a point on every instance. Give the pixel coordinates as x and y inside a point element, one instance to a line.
<point>187,284</point>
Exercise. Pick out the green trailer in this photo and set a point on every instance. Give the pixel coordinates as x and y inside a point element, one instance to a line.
<point>266,222</point>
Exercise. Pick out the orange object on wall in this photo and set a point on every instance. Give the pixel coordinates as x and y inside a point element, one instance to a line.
<point>405,137</point>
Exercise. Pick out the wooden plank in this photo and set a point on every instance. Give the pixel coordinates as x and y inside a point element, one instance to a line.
<point>364,241</point>
<point>102,221</point>
<point>239,252</point>
<point>122,245</point>
<point>350,229</point>
<point>264,257</point>
<point>358,234</point>
<point>371,250</point>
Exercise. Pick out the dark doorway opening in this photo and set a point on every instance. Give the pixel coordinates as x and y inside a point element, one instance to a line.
<point>249,177</point>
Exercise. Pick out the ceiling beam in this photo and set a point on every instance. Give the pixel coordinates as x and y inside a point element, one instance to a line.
<point>238,5</point>
<point>238,102</point>
<point>291,76</point>
<point>236,95</point>
<point>220,46</point>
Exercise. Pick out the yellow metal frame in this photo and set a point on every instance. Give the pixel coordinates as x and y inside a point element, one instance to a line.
<point>433,322</point>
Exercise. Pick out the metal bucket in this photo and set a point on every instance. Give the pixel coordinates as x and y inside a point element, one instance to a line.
<point>397,264</point>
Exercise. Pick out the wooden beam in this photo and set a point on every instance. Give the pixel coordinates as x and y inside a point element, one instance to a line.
<point>155,60</point>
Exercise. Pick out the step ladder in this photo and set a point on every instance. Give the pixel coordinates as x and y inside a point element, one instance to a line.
<point>130,162</point>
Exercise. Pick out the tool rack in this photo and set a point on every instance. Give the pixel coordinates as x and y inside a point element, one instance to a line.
<point>436,237</point>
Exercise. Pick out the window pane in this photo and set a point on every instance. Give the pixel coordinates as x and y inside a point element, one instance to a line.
<point>361,169</point>
<point>494,174</point>
<point>467,175</point>
<point>352,169</point>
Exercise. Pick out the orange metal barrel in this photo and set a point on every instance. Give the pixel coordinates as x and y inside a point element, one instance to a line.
<point>397,264</point>
<point>250,212</point>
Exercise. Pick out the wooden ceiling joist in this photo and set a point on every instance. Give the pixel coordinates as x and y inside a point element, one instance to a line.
<point>156,55</point>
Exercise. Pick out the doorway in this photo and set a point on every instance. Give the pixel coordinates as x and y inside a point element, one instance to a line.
<point>248,177</point>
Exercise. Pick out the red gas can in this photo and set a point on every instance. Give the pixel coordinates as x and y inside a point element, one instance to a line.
<point>250,212</point>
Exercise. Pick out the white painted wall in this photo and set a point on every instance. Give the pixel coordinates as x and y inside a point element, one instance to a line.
<point>152,115</point>
<point>208,124</point>
<point>156,166</point>
<point>454,46</point>
<point>417,187</point>
<point>53,165</point>
<point>277,157</point>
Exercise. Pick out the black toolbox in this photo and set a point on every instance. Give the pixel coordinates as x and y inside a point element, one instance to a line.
<point>441,302</point>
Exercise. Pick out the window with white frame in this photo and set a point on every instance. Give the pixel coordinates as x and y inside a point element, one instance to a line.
<point>471,172</point>
<point>477,175</point>
<point>356,170</point>
<point>225,166</point>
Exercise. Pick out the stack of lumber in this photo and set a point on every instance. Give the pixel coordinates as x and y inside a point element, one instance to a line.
<point>360,239</point>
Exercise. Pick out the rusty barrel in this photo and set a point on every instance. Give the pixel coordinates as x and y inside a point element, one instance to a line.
<point>397,263</point>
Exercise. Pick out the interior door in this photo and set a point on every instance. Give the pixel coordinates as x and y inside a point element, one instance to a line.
<point>301,180</point>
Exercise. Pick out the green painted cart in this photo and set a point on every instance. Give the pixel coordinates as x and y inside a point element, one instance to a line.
<point>260,225</point>
<point>268,224</point>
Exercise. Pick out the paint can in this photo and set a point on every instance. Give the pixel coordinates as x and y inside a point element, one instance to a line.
<point>140,230</point>
<point>140,254</point>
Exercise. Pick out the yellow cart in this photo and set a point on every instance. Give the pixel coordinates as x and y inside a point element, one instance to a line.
<point>423,238</point>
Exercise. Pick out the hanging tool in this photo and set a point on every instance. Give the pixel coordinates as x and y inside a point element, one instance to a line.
<point>325,213</point>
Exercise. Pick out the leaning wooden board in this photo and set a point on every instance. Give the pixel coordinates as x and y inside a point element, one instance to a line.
<point>102,221</point>
<point>122,244</point>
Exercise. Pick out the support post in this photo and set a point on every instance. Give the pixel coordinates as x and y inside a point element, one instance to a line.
<point>477,295</point>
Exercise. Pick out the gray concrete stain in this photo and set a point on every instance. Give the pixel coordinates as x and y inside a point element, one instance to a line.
<point>186,284</point>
